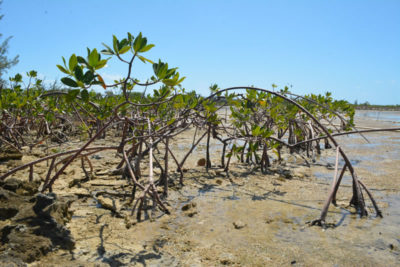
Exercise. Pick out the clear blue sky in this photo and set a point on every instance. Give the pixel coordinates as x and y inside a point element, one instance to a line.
<point>351,48</point>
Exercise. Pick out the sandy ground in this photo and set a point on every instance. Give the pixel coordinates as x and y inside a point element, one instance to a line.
<point>246,219</point>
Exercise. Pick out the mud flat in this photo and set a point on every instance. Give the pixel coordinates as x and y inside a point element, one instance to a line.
<point>246,219</point>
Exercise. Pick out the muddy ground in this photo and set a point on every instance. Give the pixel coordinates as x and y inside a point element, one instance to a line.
<point>246,219</point>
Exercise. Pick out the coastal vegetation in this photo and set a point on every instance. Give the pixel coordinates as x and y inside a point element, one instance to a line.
<point>252,124</point>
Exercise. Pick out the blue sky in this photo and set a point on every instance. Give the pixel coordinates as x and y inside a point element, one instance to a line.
<point>350,48</point>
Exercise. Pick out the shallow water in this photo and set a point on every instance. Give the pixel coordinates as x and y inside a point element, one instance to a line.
<point>382,116</point>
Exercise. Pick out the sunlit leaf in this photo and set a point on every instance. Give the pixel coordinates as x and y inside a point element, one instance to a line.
<point>123,50</point>
<point>146,48</point>
<point>93,58</point>
<point>61,68</point>
<point>143,59</point>
<point>73,61</point>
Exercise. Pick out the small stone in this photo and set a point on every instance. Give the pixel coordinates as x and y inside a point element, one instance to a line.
<point>96,157</point>
<point>109,203</point>
<point>239,224</point>
<point>268,220</point>
<point>129,222</point>
<point>189,209</point>
<point>189,206</point>
<point>227,259</point>
<point>191,213</point>
<point>201,162</point>
<point>218,181</point>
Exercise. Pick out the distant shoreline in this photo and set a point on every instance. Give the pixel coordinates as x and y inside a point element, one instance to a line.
<point>377,107</point>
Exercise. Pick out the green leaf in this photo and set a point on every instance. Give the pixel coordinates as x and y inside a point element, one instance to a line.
<point>88,77</point>
<point>169,82</point>
<point>93,58</point>
<point>171,121</point>
<point>85,95</point>
<point>73,61</point>
<point>181,80</point>
<point>101,64</point>
<point>143,59</point>
<point>256,131</point>
<point>123,50</point>
<point>61,68</point>
<point>78,73</point>
<point>107,51</point>
<point>69,82</point>
<point>146,48</point>
<point>72,94</point>
<point>130,37</point>
<point>138,42</point>
<point>81,60</point>
<point>115,44</point>
<point>32,74</point>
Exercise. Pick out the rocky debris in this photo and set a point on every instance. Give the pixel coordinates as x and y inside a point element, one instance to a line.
<point>31,225</point>
<point>8,152</point>
<point>189,209</point>
<point>20,187</point>
<point>239,224</point>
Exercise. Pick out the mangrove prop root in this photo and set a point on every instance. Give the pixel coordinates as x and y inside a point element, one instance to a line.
<point>301,133</point>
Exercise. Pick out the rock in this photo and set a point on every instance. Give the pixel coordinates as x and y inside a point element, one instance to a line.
<point>190,213</point>
<point>96,157</point>
<point>42,201</point>
<point>218,181</point>
<point>109,203</point>
<point>35,224</point>
<point>284,173</point>
<point>188,206</point>
<point>239,224</point>
<point>226,259</point>
<point>269,220</point>
<point>20,187</point>
<point>8,152</point>
<point>11,261</point>
<point>201,162</point>
<point>189,209</point>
